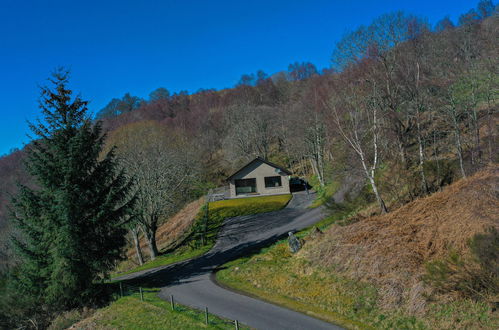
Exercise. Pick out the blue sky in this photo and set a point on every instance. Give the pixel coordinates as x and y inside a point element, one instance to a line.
<point>114,47</point>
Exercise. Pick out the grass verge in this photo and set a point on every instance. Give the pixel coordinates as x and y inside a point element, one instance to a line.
<point>181,254</point>
<point>218,212</point>
<point>130,312</point>
<point>277,276</point>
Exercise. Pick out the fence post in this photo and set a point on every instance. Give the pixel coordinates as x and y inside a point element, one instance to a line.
<point>121,289</point>
<point>172,302</point>
<point>141,294</point>
<point>237,324</point>
<point>206,315</point>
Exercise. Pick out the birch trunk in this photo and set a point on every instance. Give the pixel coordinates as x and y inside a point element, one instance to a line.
<point>459,146</point>
<point>150,232</point>
<point>136,242</point>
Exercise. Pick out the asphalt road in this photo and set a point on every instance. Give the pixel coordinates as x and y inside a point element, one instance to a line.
<point>191,284</point>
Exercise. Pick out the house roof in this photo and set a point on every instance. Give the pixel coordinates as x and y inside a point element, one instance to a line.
<point>259,159</point>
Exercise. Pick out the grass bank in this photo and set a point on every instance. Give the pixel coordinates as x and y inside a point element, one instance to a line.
<point>218,211</point>
<point>366,273</point>
<point>277,276</point>
<point>153,313</point>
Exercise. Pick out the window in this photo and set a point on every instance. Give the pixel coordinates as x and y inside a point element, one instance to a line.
<point>273,182</point>
<point>245,186</point>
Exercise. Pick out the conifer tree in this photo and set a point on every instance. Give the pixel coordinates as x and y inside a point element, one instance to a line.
<point>70,227</point>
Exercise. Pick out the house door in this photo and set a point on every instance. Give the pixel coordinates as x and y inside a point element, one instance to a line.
<point>245,186</point>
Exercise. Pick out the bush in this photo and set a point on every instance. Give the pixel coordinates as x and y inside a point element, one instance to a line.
<point>476,276</point>
<point>67,319</point>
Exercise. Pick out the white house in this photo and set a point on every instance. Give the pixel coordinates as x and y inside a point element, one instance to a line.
<point>259,177</point>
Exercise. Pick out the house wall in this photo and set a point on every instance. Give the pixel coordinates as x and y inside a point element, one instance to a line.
<point>260,170</point>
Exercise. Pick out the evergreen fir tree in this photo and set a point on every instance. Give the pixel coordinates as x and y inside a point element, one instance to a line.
<point>71,226</point>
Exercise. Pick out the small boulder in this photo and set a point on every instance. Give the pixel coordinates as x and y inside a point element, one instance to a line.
<point>294,243</point>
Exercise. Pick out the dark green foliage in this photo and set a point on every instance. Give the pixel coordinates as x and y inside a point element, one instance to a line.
<point>474,277</point>
<point>440,173</point>
<point>71,227</point>
<point>485,247</point>
<point>116,107</point>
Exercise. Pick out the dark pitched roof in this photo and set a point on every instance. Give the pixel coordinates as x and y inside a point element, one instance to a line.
<point>261,160</point>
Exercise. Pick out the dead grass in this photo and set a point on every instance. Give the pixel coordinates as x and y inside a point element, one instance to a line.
<point>172,231</point>
<point>391,250</point>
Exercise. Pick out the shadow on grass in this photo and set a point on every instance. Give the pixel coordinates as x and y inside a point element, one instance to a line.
<point>240,236</point>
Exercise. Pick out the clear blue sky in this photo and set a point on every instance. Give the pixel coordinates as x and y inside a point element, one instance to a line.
<point>114,47</point>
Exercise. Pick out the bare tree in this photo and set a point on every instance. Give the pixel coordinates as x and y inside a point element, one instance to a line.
<point>251,131</point>
<point>358,121</point>
<point>163,169</point>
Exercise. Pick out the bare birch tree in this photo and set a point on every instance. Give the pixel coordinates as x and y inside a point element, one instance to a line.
<point>358,121</point>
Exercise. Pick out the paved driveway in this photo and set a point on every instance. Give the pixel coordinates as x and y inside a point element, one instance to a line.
<point>190,282</point>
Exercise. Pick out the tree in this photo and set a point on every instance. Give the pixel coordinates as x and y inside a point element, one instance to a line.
<point>117,107</point>
<point>444,24</point>
<point>71,226</point>
<point>486,8</point>
<point>301,71</point>
<point>164,171</point>
<point>359,122</point>
<point>251,132</point>
<point>246,80</point>
<point>159,94</point>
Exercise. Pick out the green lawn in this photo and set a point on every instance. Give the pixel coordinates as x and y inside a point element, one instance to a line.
<point>130,312</point>
<point>218,212</point>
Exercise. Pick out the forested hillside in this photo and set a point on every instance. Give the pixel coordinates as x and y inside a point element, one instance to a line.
<point>405,109</point>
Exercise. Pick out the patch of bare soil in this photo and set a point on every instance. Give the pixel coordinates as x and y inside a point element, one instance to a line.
<point>391,250</point>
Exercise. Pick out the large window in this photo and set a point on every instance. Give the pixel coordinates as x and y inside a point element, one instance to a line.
<point>245,186</point>
<point>273,182</point>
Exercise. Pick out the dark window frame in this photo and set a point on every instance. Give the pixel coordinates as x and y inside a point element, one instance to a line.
<point>271,184</point>
<point>247,183</point>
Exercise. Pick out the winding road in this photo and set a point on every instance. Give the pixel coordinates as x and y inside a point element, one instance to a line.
<point>191,282</point>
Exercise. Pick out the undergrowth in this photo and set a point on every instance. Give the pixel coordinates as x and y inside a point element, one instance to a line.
<point>474,276</point>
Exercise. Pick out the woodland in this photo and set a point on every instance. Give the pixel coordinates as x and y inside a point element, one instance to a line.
<point>405,109</point>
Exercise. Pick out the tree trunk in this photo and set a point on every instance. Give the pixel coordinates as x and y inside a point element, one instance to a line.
<point>151,240</point>
<point>136,242</point>
<point>370,176</point>
<point>424,182</point>
<point>403,158</point>
<point>380,200</point>
<point>459,146</point>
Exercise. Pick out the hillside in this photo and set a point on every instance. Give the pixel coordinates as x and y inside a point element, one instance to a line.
<point>369,273</point>
<point>391,250</point>
<point>401,130</point>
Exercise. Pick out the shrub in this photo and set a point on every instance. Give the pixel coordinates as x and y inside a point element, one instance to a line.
<point>474,276</point>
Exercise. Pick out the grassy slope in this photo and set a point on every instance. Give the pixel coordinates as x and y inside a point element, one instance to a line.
<point>309,285</point>
<point>218,212</point>
<point>153,313</point>
<point>279,277</point>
